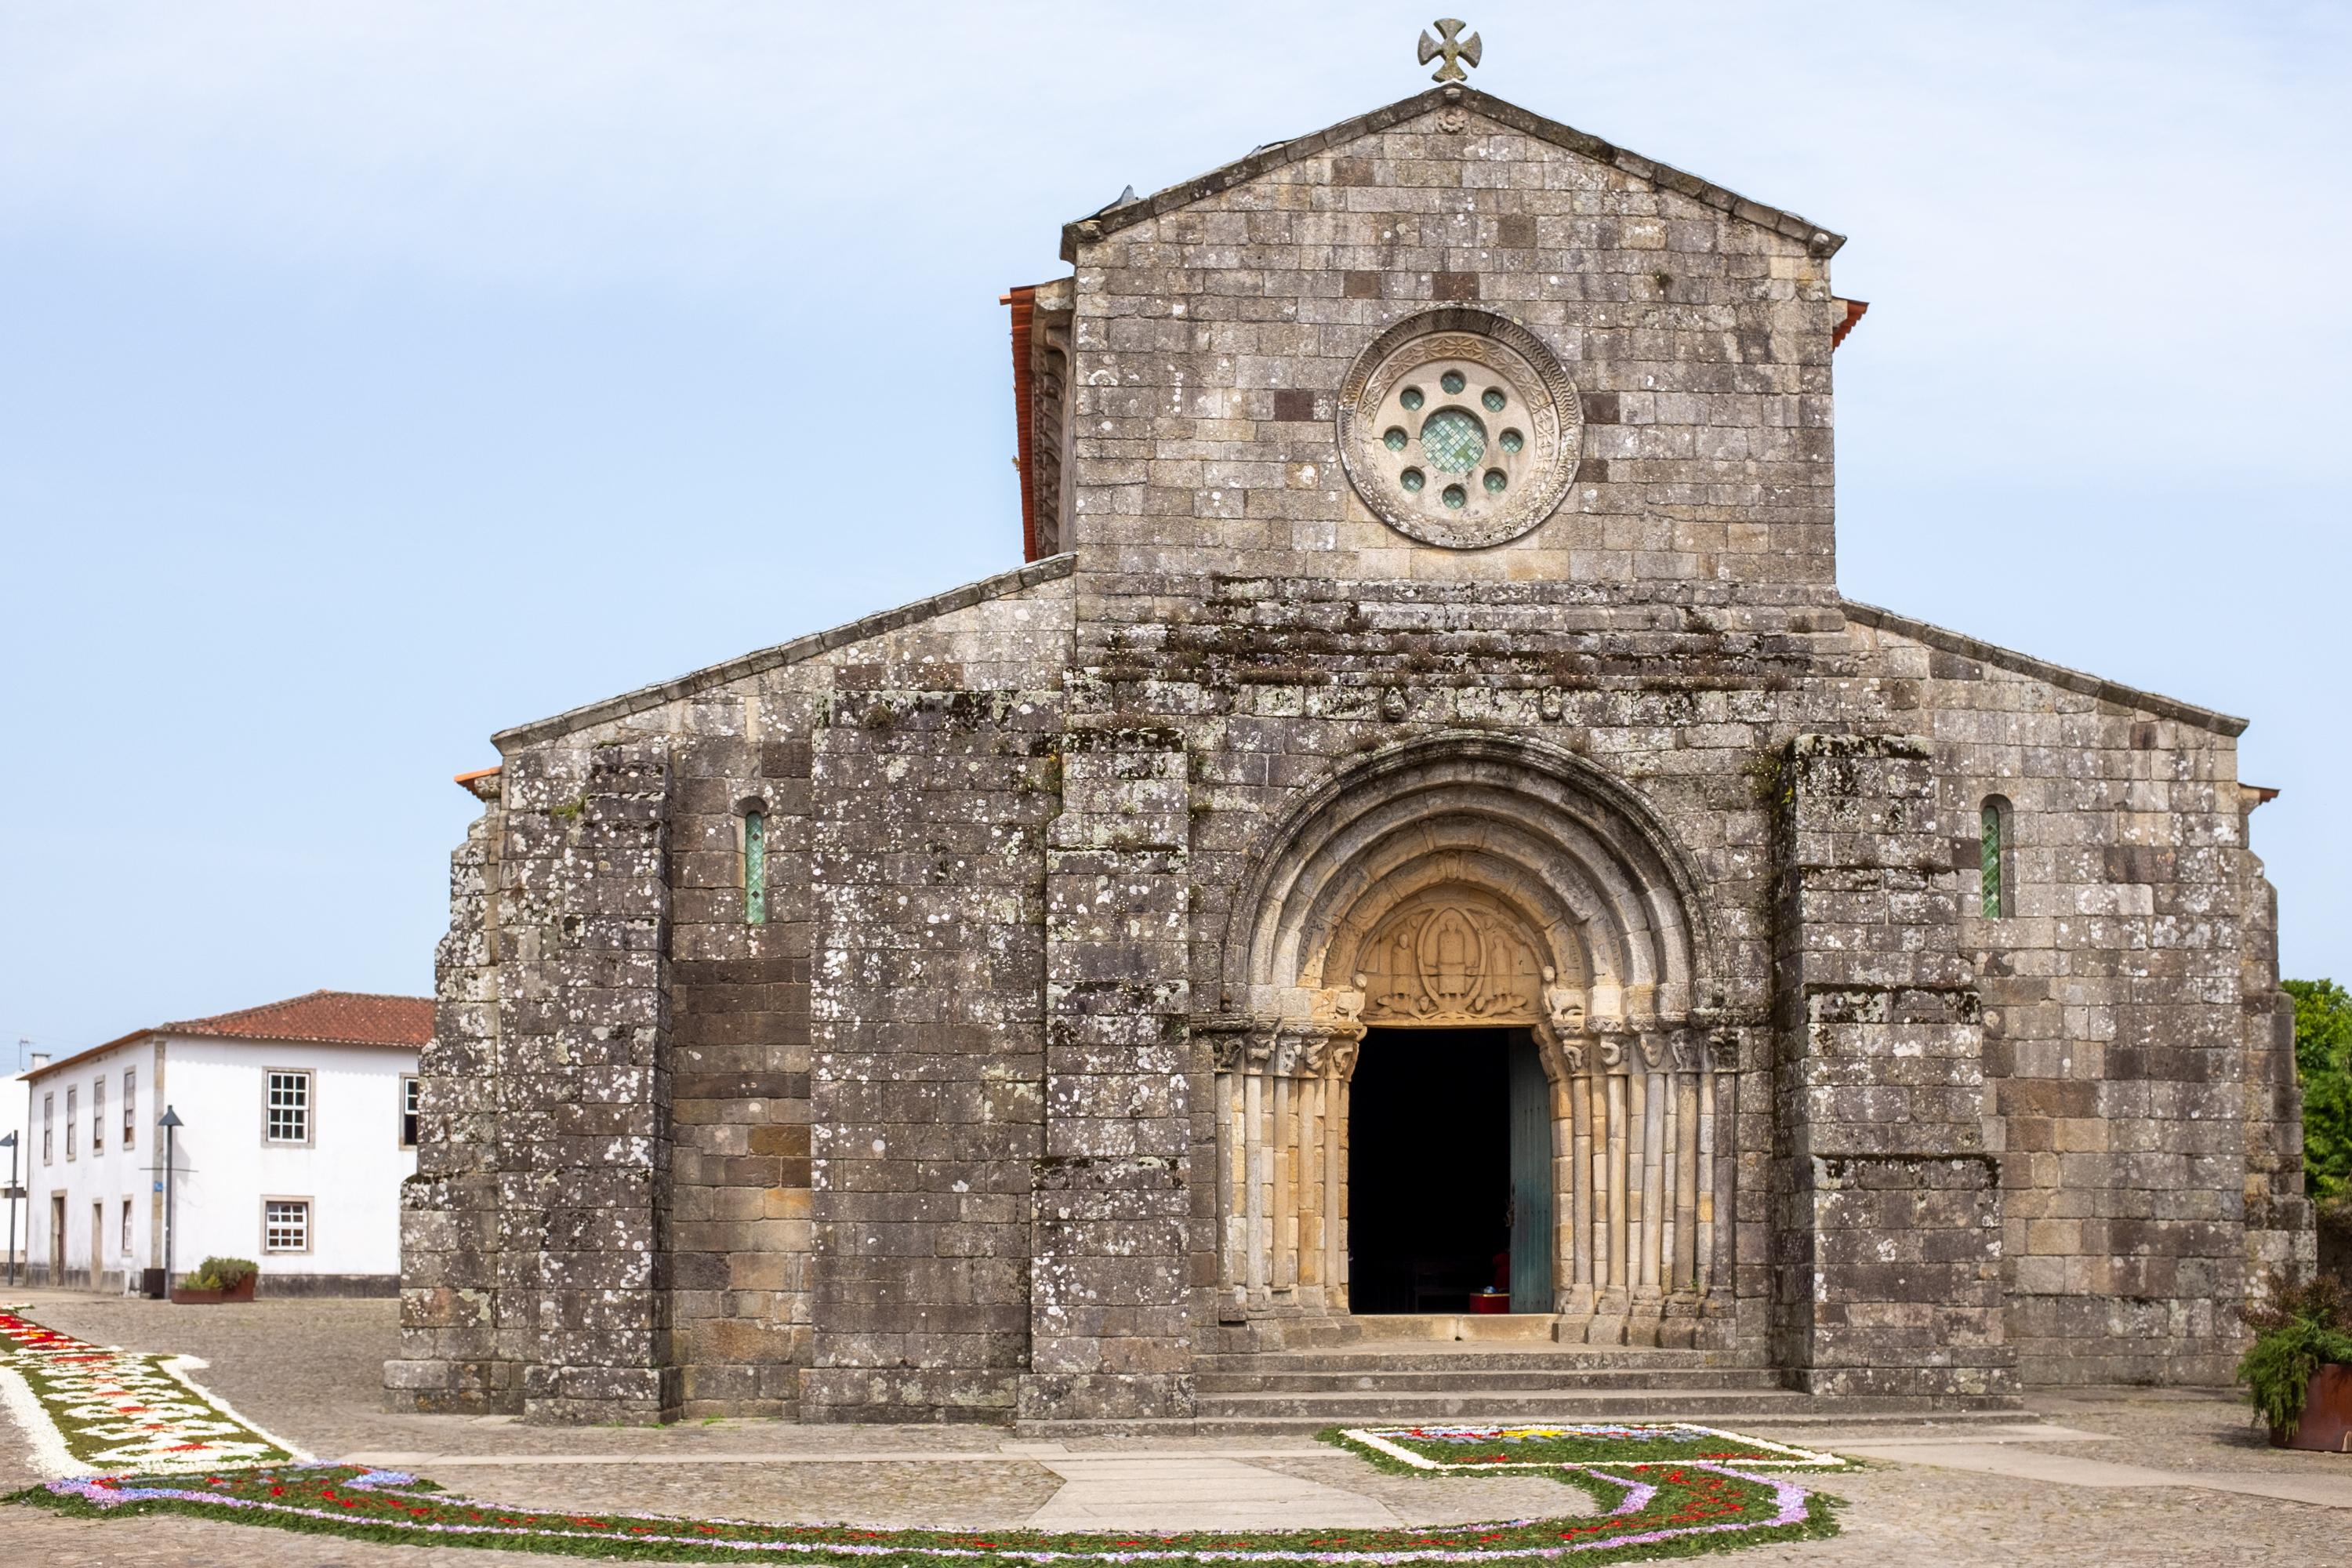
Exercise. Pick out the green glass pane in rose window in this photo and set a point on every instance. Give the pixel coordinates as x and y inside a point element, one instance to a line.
<point>1456,496</point>
<point>1410,397</point>
<point>1454,440</point>
<point>1452,380</point>
<point>1493,400</point>
<point>1411,480</point>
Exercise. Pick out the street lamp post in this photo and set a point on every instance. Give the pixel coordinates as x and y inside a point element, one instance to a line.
<point>9,1142</point>
<point>171,1123</point>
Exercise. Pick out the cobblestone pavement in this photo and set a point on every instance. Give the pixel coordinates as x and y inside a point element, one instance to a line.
<point>310,1370</point>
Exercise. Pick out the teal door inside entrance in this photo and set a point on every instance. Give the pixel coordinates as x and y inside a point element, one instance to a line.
<point>1531,1187</point>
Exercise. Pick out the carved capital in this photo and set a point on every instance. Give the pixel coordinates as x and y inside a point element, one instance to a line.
<point>1314,1050</point>
<point>1688,1052</point>
<point>1340,1010</point>
<point>1286,1053</point>
<point>1343,1056</point>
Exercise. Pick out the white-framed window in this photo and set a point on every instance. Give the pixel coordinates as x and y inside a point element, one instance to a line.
<point>409,1101</point>
<point>126,1228</point>
<point>50,1129</point>
<point>98,1113</point>
<point>129,1107</point>
<point>285,1106</point>
<point>73,1114</point>
<point>285,1224</point>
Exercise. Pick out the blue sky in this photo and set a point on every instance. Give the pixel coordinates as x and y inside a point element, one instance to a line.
<point>374,376</point>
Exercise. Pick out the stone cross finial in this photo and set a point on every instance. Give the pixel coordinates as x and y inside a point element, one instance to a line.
<point>1455,50</point>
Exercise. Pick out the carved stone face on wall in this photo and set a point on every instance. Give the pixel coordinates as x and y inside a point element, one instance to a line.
<point>1459,429</point>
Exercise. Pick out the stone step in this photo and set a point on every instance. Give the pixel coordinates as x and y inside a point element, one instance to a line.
<point>1423,1358</point>
<point>1351,1406</point>
<point>1533,1381</point>
<point>1500,1327</point>
<point>1239,1415</point>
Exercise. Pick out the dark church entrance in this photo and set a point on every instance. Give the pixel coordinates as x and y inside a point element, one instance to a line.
<point>1449,1173</point>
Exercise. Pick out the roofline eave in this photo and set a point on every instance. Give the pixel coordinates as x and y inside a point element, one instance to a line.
<point>1821,242</point>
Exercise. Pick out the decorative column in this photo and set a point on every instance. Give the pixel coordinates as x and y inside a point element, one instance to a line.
<point>1645,1229</point>
<point>1281,1089</point>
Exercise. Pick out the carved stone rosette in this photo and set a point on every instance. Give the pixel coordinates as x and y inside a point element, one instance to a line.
<point>1459,427</point>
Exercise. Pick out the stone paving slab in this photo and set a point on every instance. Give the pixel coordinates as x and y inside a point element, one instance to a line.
<point>1147,1493</point>
<point>2074,1469</point>
<point>2121,1477</point>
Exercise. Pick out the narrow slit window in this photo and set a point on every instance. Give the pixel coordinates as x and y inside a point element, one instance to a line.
<point>97,1115</point>
<point>755,867</point>
<point>129,1107</point>
<point>1994,856</point>
<point>48,1130</point>
<point>410,1105</point>
<point>126,1228</point>
<point>73,1115</point>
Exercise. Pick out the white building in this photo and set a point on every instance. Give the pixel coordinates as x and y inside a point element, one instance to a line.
<point>298,1123</point>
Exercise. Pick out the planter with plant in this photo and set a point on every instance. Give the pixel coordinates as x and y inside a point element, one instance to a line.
<point>218,1279</point>
<point>2298,1370</point>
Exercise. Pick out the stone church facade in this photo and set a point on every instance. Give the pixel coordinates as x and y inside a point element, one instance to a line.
<point>1428,665</point>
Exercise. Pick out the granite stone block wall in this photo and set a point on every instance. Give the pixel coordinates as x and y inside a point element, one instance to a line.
<point>1110,1291</point>
<point>1888,1255</point>
<point>927,1048</point>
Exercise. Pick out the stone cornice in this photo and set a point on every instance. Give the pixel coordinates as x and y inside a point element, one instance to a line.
<point>1001,585</point>
<point>2057,675</point>
<point>1275,155</point>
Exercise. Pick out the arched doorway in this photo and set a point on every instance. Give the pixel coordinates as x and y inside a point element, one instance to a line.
<point>1449,1173</point>
<point>1509,900</point>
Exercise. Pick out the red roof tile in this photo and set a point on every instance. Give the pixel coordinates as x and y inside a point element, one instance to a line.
<point>342,1017</point>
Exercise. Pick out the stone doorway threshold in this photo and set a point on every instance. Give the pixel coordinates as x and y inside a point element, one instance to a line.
<point>1499,1329</point>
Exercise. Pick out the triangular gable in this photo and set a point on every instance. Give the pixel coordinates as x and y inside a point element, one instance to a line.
<point>1275,155</point>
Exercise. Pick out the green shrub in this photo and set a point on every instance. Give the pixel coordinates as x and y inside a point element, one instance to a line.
<point>2323,1063</point>
<point>2299,1330</point>
<point>220,1274</point>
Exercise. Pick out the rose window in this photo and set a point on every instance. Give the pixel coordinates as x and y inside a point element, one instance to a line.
<point>1459,438</point>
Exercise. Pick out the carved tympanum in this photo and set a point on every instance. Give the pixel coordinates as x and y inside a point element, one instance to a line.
<point>1452,960</point>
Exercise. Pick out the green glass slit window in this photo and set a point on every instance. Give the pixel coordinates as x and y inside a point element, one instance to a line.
<point>1991,853</point>
<point>755,868</point>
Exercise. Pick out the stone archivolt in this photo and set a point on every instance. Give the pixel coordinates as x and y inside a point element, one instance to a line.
<point>1469,882</point>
